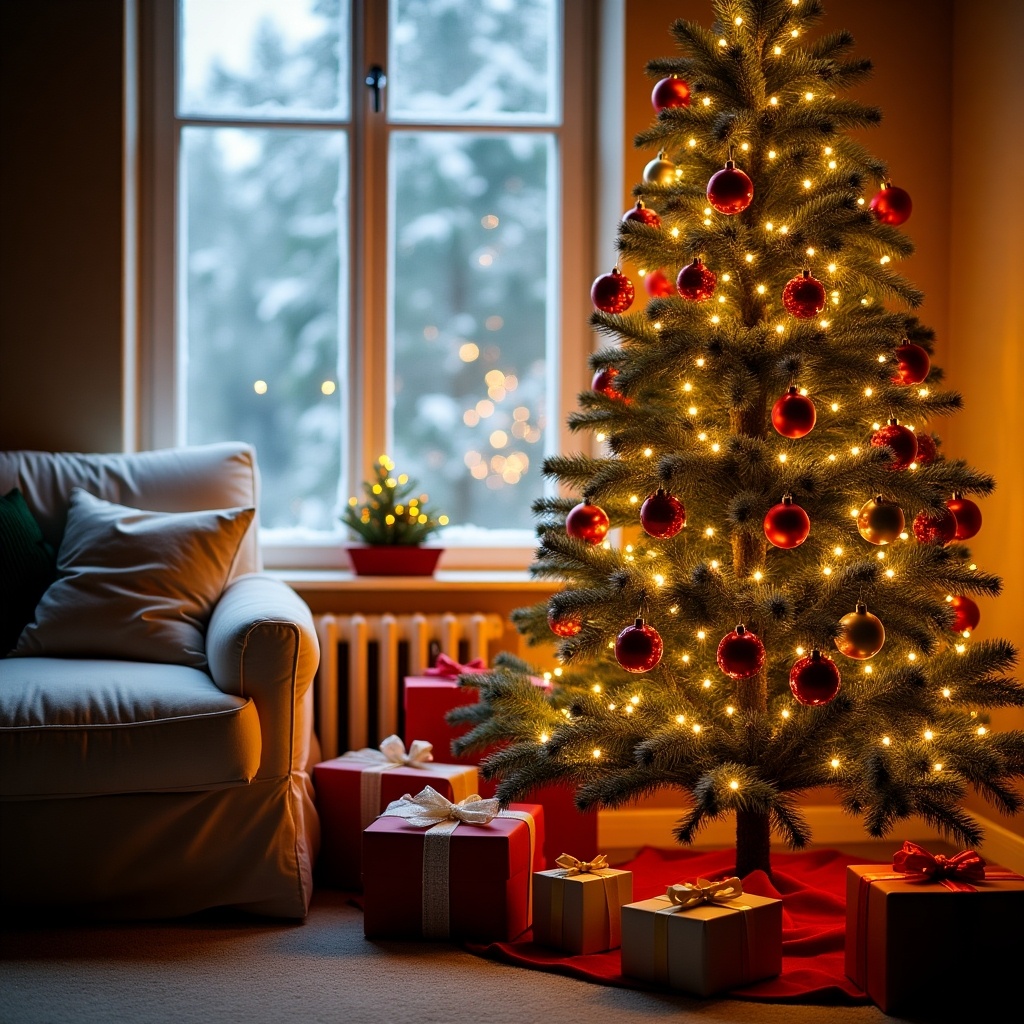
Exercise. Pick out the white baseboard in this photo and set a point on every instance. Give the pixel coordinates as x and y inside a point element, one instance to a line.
<point>630,828</point>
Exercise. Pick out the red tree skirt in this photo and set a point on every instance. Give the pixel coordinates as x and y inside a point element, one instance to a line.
<point>812,887</point>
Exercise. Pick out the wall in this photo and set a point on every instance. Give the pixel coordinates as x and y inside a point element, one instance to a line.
<point>61,87</point>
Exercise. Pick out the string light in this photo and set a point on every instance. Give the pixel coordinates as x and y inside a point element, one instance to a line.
<point>734,784</point>
<point>544,737</point>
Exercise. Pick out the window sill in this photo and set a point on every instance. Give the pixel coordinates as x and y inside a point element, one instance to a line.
<point>451,580</point>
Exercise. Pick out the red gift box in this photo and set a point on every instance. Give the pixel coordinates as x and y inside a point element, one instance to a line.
<point>934,935</point>
<point>427,699</point>
<point>353,789</point>
<point>466,881</point>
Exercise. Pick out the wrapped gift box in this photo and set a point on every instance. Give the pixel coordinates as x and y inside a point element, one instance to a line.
<point>485,891</point>
<point>705,948</point>
<point>913,943</point>
<point>342,799</point>
<point>579,911</point>
<point>427,699</point>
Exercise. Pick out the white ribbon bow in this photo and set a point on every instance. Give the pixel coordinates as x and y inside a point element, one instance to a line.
<point>574,866</point>
<point>428,808</point>
<point>703,891</point>
<point>392,752</point>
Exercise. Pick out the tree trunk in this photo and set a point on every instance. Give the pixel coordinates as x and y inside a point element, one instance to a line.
<point>753,843</point>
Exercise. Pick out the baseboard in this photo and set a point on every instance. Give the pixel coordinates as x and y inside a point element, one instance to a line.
<point>634,827</point>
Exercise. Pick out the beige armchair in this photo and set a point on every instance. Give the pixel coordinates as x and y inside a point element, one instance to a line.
<point>139,779</point>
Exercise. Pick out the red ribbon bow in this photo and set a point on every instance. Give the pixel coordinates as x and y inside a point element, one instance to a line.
<point>449,668</point>
<point>916,861</point>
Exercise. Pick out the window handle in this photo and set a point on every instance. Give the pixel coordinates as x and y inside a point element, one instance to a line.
<point>376,80</point>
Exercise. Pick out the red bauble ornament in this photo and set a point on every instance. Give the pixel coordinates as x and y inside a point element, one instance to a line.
<point>892,205</point>
<point>638,648</point>
<point>926,451</point>
<point>787,525</point>
<point>587,522</point>
<point>660,171</point>
<point>880,521</point>
<point>730,190</point>
<point>815,679</point>
<point>670,92</point>
<point>793,415</point>
<point>696,282</point>
<point>657,285</point>
<point>900,440</point>
<point>642,214</point>
<point>740,653</point>
<point>967,614</point>
<point>968,516</point>
<point>940,529</point>
<point>603,383</point>
<point>566,624</point>
<point>804,296</point>
<point>662,514</point>
<point>612,293</point>
<point>913,366</point>
<point>861,634</point>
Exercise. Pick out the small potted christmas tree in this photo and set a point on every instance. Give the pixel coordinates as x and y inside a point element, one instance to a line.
<point>394,522</point>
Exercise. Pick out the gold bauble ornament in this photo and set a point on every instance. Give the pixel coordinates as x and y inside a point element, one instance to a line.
<point>660,171</point>
<point>861,634</point>
<point>881,521</point>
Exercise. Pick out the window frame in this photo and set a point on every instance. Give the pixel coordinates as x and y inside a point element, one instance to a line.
<point>158,399</point>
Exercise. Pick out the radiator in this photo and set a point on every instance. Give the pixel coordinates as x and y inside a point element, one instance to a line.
<point>364,659</point>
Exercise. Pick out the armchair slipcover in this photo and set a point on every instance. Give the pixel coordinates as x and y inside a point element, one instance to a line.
<point>142,789</point>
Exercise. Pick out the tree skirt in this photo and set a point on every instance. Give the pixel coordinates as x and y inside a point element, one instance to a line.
<point>812,887</point>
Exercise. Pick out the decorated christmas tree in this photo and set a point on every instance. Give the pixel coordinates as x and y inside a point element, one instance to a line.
<point>766,585</point>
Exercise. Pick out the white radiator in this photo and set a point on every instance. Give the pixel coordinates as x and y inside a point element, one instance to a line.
<point>402,644</point>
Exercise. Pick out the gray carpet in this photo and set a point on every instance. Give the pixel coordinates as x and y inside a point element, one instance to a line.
<point>227,969</point>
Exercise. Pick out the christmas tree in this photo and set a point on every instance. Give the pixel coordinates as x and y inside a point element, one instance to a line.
<point>790,605</point>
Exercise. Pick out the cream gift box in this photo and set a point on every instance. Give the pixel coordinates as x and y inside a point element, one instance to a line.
<point>577,907</point>
<point>703,938</point>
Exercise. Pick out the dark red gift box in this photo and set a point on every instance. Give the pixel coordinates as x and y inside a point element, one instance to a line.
<point>489,879</point>
<point>429,698</point>
<point>914,942</point>
<point>338,798</point>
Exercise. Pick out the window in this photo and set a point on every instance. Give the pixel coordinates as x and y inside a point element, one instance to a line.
<point>362,221</point>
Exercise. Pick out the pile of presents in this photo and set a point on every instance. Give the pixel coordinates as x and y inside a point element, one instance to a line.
<point>434,856</point>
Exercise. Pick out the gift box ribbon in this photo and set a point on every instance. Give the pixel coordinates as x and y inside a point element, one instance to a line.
<point>449,668</point>
<point>913,863</point>
<point>689,895</point>
<point>441,817</point>
<point>392,754</point>
<point>572,867</point>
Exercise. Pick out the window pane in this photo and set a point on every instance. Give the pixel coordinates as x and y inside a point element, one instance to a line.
<point>467,62</point>
<point>265,58</point>
<point>263,213</point>
<point>473,296</point>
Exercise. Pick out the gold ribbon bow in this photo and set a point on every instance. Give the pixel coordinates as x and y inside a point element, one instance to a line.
<point>573,866</point>
<point>429,808</point>
<point>692,894</point>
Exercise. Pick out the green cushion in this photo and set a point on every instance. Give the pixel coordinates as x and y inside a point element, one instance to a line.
<point>27,567</point>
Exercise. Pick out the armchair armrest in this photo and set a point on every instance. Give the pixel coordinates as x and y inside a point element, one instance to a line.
<point>261,644</point>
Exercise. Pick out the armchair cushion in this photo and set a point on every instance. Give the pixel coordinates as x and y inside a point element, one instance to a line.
<point>133,584</point>
<point>27,567</point>
<point>73,728</point>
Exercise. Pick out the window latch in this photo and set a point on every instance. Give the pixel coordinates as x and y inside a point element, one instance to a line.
<point>376,80</point>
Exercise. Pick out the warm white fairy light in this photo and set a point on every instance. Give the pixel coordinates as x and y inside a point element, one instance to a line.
<point>734,784</point>
<point>596,688</point>
<point>868,669</point>
<point>700,361</point>
<point>795,33</point>
<point>774,101</point>
<point>680,719</point>
<point>834,763</point>
<point>855,512</point>
<point>612,707</point>
<point>832,458</point>
<point>880,555</point>
<point>737,20</point>
<point>811,250</point>
<point>779,329</point>
<point>749,257</point>
<point>716,447</point>
<point>782,456</point>
<point>904,536</point>
<point>784,229</point>
<point>832,269</point>
<point>701,634</point>
<point>928,734</point>
<point>777,50</point>
<point>834,407</point>
<point>769,226</point>
<point>544,737</point>
<point>826,570</point>
<point>706,101</point>
<point>558,671</point>
<point>890,573</point>
<point>745,146</point>
<point>960,648</point>
<point>716,319</point>
<point>696,727</point>
<point>596,752</point>
<point>691,143</point>
<point>692,410</point>
<point>601,435</point>
<point>911,656</point>
<point>648,452</point>
<point>785,712</point>
<point>922,392</point>
<point>860,202</point>
<point>761,289</point>
<point>674,610</point>
<point>709,531</point>
<point>758,576</point>
<point>714,563</point>
<point>868,392</point>
<point>838,552</point>
<point>800,652</point>
<point>947,692</point>
<point>706,683</point>
<point>772,154</point>
<point>982,731</point>
<point>630,709</point>
<point>656,325</point>
<point>722,42</point>
<point>722,299</point>
<point>807,183</point>
<point>659,580</point>
<point>886,741</point>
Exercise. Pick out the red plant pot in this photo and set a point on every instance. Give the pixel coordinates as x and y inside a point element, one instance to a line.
<point>393,560</point>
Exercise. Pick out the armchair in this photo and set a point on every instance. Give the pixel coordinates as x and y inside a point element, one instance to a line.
<point>138,779</point>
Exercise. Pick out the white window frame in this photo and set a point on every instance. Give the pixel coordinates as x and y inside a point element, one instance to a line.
<point>588,192</point>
